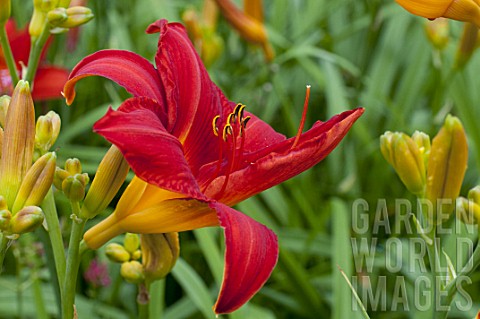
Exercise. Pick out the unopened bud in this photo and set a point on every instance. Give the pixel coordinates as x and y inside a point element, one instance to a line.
<point>132,271</point>
<point>18,141</point>
<point>159,254</point>
<point>47,130</point>
<point>76,17</point>
<point>26,220</point>
<point>131,242</point>
<point>117,253</point>
<point>438,32</point>
<point>74,187</point>
<point>57,16</point>
<point>467,211</point>
<point>5,217</point>
<point>59,177</point>
<point>468,45</point>
<point>36,183</point>
<point>110,175</point>
<point>474,195</point>
<point>4,103</point>
<point>137,254</point>
<point>447,164</point>
<point>423,142</point>
<point>39,17</point>
<point>73,166</point>
<point>404,155</point>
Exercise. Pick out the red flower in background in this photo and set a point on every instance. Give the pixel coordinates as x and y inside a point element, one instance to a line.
<point>199,154</point>
<point>49,80</point>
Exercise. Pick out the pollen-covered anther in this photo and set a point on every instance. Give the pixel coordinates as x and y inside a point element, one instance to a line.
<point>214,125</point>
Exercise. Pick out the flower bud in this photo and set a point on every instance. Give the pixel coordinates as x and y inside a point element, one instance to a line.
<point>137,254</point>
<point>74,187</point>
<point>5,217</point>
<point>57,16</point>
<point>5,11</point>
<point>132,271</point>
<point>111,174</point>
<point>59,177</point>
<point>117,253</point>
<point>438,32</point>
<point>36,183</point>
<point>159,254</point>
<point>39,17</point>
<point>447,164</point>
<point>468,45</point>
<point>406,158</point>
<point>474,195</point>
<point>73,166</point>
<point>467,211</point>
<point>423,142</point>
<point>47,130</point>
<point>131,242</point>
<point>26,220</point>
<point>76,17</point>
<point>4,103</point>
<point>461,10</point>
<point>18,142</point>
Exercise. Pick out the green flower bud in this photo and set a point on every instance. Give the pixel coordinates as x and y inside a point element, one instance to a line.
<point>18,142</point>
<point>137,254</point>
<point>131,242</point>
<point>74,187</point>
<point>4,103</point>
<point>39,17</point>
<point>26,220</point>
<point>474,195</point>
<point>36,183</point>
<point>159,254</point>
<point>76,17</point>
<point>47,130</point>
<point>59,177</point>
<point>73,166</point>
<point>467,211</point>
<point>447,164</point>
<point>407,160</point>
<point>132,271</point>
<point>5,217</point>
<point>438,32</point>
<point>110,175</point>
<point>117,253</point>
<point>57,16</point>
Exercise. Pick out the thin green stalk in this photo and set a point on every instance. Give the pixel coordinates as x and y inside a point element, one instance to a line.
<point>51,217</point>
<point>157,297</point>
<point>73,260</point>
<point>8,55</point>
<point>3,250</point>
<point>35,53</point>
<point>143,311</point>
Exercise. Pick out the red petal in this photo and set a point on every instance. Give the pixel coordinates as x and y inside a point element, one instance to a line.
<point>133,72</point>
<point>19,42</point>
<point>274,165</point>
<point>154,155</point>
<point>49,83</point>
<point>193,99</point>
<point>251,253</point>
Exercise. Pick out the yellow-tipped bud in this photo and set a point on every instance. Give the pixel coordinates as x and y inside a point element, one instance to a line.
<point>111,174</point>
<point>467,211</point>
<point>18,142</point>
<point>47,130</point>
<point>438,32</point>
<point>423,142</point>
<point>26,220</point>
<point>39,17</point>
<point>73,166</point>
<point>4,103</point>
<point>474,195</point>
<point>137,254</point>
<point>159,254</point>
<point>131,242</point>
<point>59,177</point>
<point>76,17</point>
<point>406,158</point>
<point>468,45</point>
<point>74,187</point>
<point>117,253</point>
<point>462,10</point>
<point>5,11</point>
<point>132,271</point>
<point>36,183</point>
<point>57,16</point>
<point>5,217</point>
<point>447,164</point>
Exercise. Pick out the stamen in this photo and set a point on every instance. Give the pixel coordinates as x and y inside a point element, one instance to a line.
<point>304,116</point>
<point>214,125</point>
<point>227,130</point>
<point>230,167</point>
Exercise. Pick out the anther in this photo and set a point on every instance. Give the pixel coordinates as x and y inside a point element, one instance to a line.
<point>214,125</point>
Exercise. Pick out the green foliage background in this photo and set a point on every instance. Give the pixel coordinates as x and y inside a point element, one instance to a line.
<point>368,53</point>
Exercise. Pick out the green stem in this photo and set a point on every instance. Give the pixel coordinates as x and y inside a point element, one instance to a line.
<point>41,312</point>
<point>157,297</point>
<point>7,52</point>
<point>35,53</point>
<point>55,234</point>
<point>142,311</point>
<point>3,250</point>
<point>73,260</point>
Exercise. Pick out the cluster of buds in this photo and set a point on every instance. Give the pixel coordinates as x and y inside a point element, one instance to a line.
<point>24,182</point>
<point>434,172</point>
<point>71,180</point>
<point>159,253</point>
<point>56,15</point>
<point>461,10</point>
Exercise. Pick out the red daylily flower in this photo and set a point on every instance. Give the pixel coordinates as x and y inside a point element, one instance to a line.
<point>49,80</point>
<point>196,154</point>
